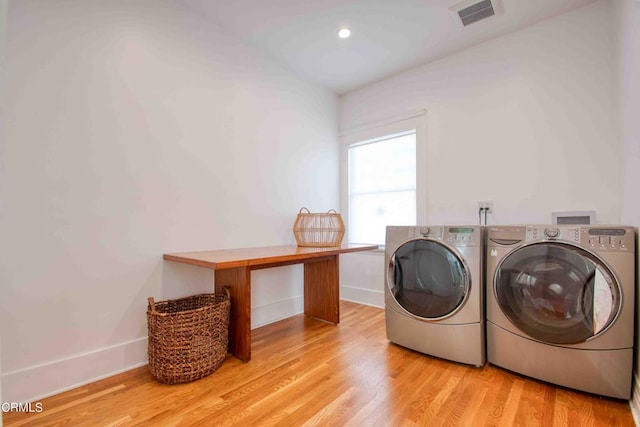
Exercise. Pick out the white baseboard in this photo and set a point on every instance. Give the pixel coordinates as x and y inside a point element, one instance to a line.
<point>362,296</point>
<point>634,403</point>
<point>40,381</point>
<point>278,310</point>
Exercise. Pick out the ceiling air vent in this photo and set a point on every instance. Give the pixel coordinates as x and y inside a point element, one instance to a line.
<point>468,12</point>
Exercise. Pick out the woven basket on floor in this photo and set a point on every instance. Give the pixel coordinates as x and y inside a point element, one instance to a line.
<point>318,229</point>
<point>188,337</point>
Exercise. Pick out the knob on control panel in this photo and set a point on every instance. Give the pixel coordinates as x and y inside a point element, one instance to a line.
<point>424,230</point>
<point>551,232</point>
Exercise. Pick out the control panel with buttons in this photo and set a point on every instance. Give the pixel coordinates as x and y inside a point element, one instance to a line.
<point>463,236</point>
<point>571,234</point>
<point>454,236</point>
<point>608,238</point>
<point>595,237</point>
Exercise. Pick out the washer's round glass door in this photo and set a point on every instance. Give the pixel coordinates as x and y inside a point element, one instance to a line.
<point>428,279</point>
<point>556,293</point>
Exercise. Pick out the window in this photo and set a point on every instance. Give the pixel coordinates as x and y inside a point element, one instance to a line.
<point>382,175</point>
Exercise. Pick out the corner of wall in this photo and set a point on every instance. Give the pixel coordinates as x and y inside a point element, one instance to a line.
<point>634,403</point>
<point>368,297</point>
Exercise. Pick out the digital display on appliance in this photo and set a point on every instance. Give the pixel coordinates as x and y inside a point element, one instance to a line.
<point>607,232</point>
<point>461,230</point>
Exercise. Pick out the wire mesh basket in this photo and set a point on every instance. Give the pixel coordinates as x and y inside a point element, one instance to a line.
<point>188,337</point>
<point>318,229</point>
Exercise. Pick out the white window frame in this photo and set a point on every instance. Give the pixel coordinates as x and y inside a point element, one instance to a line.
<point>397,125</point>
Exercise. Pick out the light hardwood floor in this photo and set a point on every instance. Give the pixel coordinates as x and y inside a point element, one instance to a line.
<point>308,372</point>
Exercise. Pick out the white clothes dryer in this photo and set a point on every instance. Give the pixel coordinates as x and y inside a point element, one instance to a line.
<point>433,292</point>
<point>560,304</point>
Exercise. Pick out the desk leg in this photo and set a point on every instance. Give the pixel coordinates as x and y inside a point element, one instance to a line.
<point>322,289</point>
<point>238,280</point>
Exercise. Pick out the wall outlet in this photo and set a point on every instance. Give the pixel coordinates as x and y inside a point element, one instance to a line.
<point>486,204</point>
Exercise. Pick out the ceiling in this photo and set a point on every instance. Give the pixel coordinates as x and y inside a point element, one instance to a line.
<point>388,36</point>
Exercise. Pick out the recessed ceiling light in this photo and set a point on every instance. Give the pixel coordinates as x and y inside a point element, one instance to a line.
<point>343,33</point>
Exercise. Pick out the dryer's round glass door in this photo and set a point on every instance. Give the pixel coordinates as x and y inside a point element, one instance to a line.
<point>556,293</point>
<point>428,279</point>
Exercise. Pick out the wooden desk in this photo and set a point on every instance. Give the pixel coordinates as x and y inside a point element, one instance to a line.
<point>232,268</point>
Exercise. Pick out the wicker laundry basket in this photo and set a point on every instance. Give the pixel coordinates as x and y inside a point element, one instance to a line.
<point>188,337</point>
<point>318,229</point>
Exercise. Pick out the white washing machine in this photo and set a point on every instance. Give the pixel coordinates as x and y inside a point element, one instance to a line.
<point>433,293</point>
<point>560,304</point>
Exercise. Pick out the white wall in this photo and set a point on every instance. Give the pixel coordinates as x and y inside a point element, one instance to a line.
<point>131,129</point>
<point>3,28</point>
<point>628,12</point>
<point>528,120</point>
<point>628,61</point>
